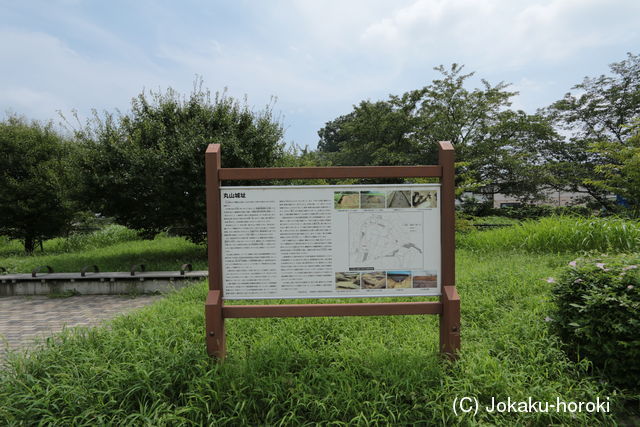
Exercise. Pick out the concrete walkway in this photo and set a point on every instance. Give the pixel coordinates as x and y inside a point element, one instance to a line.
<point>24,319</point>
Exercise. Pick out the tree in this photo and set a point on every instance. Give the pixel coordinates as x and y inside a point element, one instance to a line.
<point>375,133</point>
<point>602,109</point>
<point>497,149</point>
<point>621,175</point>
<point>146,168</point>
<point>511,159</point>
<point>34,182</point>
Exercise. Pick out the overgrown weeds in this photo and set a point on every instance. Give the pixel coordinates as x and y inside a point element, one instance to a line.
<point>163,253</point>
<point>563,234</point>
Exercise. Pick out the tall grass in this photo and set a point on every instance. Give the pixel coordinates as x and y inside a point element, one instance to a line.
<point>163,253</point>
<point>106,236</point>
<point>150,367</point>
<point>559,235</point>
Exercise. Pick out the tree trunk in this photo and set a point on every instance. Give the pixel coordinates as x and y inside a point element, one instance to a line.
<point>29,244</point>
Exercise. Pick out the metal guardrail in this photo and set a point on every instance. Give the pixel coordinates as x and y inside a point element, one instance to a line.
<point>134,267</point>
<point>36,270</point>
<point>45,273</point>
<point>481,226</point>
<point>83,272</point>
<point>185,267</point>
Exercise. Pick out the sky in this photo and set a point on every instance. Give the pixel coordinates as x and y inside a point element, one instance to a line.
<point>317,58</point>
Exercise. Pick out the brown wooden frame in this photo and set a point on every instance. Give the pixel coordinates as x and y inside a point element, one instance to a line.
<point>448,307</point>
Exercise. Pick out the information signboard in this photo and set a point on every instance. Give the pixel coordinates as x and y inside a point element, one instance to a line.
<point>330,241</point>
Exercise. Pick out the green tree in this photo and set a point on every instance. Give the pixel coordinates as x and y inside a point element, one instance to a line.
<point>146,168</point>
<point>601,109</point>
<point>621,174</point>
<point>512,157</point>
<point>34,182</point>
<point>497,149</point>
<point>375,133</point>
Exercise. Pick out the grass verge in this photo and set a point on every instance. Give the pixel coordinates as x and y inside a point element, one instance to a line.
<point>162,253</point>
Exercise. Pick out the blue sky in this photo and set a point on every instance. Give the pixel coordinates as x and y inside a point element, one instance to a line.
<point>318,58</point>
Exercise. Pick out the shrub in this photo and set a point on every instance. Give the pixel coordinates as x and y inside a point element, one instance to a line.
<point>463,223</point>
<point>107,236</point>
<point>482,209</point>
<point>597,314</point>
<point>540,211</point>
<point>473,207</point>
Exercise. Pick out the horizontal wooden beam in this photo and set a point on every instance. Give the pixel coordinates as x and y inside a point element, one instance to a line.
<point>335,172</point>
<point>322,310</point>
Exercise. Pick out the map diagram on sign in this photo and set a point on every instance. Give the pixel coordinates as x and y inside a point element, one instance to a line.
<point>386,240</point>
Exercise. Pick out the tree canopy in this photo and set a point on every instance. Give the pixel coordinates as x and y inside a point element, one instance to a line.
<point>146,168</point>
<point>620,174</point>
<point>600,110</point>
<point>34,182</point>
<point>498,149</point>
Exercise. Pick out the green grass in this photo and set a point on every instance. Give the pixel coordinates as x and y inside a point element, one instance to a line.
<point>150,367</point>
<point>163,253</point>
<point>559,235</point>
<point>498,220</point>
<point>106,236</point>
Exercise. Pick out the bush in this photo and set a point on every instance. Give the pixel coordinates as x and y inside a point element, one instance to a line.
<point>463,223</point>
<point>541,211</point>
<point>473,207</point>
<point>107,236</point>
<point>476,208</point>
<point>597,315</point>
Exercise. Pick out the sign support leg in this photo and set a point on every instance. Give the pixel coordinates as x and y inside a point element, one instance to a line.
<point>450,322</point>
<point>214,319</point>
<point>216,342</point>
<point>450,317</point>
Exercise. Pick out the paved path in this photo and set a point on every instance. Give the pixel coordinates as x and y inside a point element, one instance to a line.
<point>24,319</point>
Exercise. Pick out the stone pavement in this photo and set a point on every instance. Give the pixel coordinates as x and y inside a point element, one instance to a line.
<point>24,319</point>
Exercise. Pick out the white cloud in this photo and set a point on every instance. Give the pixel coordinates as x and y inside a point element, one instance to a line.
<point>317,57</point>
<point>43,74</point>
<point>502,32</point>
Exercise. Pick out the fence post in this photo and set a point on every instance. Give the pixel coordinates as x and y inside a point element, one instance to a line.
<point>450,317</point>
<point>214,320</point>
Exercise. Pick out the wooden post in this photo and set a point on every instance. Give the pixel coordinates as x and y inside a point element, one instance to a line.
<point>450,317</point>
<point>214,321</point>
<point>448,308</point>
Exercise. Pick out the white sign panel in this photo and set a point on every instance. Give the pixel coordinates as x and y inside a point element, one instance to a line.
<point>330,241</point>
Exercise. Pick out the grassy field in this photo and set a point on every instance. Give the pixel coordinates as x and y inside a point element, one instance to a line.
<point>112,249</point>
<point>150,367</point>
<point>559,235</point>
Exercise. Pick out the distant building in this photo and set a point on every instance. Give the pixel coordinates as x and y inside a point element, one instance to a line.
<point>551,198</point>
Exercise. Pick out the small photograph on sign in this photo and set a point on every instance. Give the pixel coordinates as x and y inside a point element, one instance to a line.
<point>424,199</point>
<point>371,200</point>
<point>398,279</point>
<point>347,281</point>
<point>374,280</point>
<point>425,279</point>
<point>346,199</point>
<point>399,199</point>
